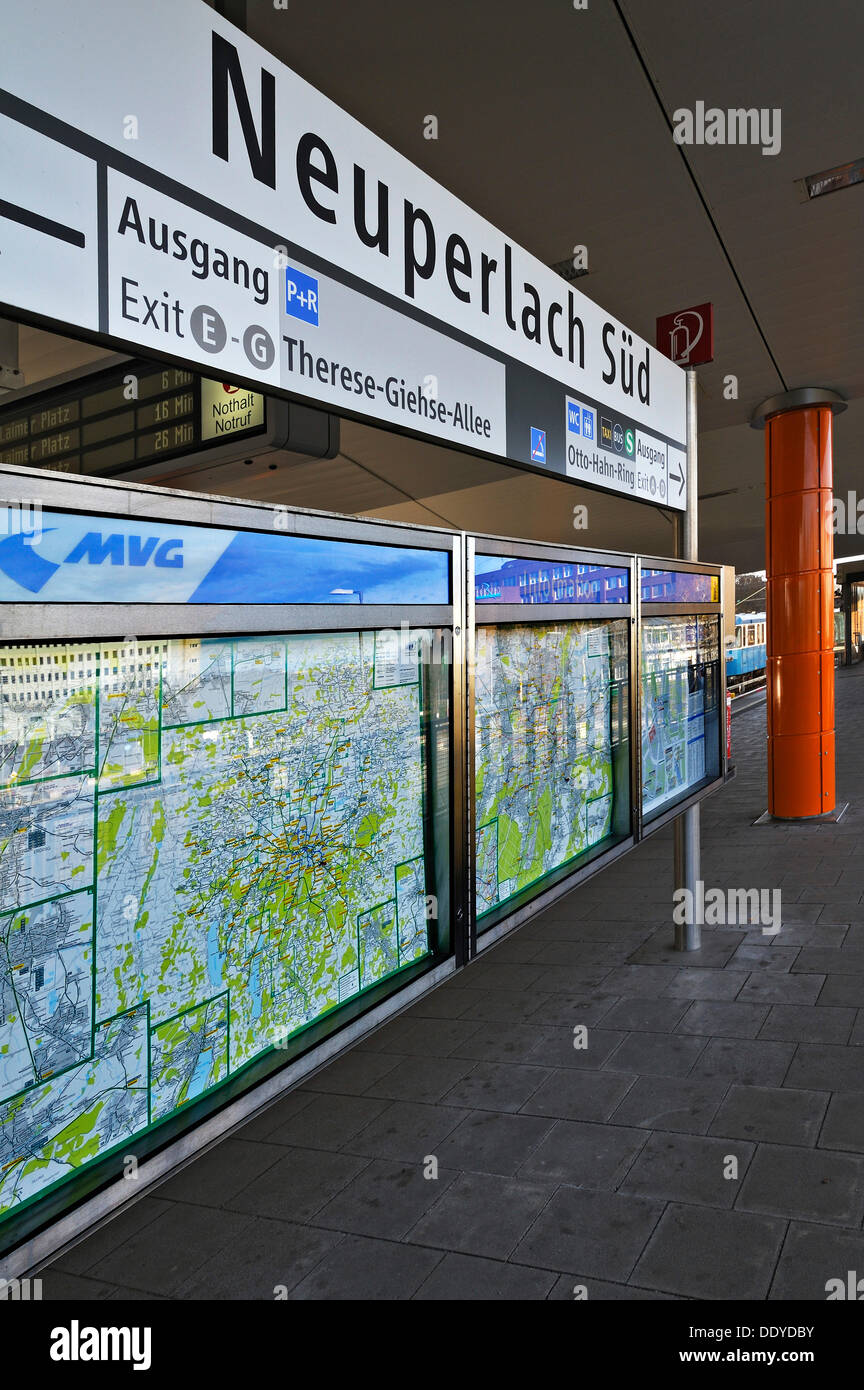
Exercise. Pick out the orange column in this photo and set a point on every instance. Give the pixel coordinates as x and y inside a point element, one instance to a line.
<point>800,612</point>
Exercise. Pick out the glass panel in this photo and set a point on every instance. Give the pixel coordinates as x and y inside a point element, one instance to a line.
<point>678,586</point>
<point>209,845</point>
<point>680,692</point>
<point>551,751</point>
<point>499,580</point>
<point>57,557</point>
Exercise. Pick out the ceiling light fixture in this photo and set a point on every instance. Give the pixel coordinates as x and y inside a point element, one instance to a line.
<point>832,180</point>
<point>568,271</point>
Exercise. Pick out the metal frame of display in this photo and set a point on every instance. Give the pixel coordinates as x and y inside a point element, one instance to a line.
<point>661,609</point>
<point>47,621</point>
<point>559,881</point>
<point>563,881</point>
<point>241,1094</point>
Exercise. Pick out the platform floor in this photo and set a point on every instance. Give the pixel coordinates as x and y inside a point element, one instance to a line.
<point>611,1167</point>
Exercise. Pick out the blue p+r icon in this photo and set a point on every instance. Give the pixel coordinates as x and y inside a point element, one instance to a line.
<point>301,295</point>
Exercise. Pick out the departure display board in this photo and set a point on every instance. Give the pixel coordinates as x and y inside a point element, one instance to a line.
<point>132,414</point>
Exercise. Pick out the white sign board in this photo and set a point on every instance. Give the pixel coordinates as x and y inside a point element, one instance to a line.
<point>168,185</point>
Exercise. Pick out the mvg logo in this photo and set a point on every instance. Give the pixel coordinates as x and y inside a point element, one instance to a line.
<point>126,550</point>
<point>21,561</point>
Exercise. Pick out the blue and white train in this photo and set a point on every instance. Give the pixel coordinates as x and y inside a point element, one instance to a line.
<point>745,662</point>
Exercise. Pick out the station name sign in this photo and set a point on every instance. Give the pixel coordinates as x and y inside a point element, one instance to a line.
<point>239,222</point>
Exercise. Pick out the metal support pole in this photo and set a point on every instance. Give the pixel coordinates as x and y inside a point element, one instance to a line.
<point>687,826</point>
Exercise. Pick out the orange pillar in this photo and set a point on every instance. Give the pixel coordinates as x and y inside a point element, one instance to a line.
<point>800,611</point>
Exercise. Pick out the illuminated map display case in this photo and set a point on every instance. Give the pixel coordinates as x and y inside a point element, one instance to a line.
<point>680,677</point>
<point>267,775</point>
<point>218,846</point>
<point>549,717</point>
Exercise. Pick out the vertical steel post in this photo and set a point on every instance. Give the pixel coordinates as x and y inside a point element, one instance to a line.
<point>687,828</point>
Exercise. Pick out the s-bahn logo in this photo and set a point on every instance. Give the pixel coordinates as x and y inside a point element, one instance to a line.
<point>21,561</point>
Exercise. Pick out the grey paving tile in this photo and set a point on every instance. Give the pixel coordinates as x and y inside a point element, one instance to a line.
<point>488,1142</point>
<point>827,1067</point>
<point>813,1258</point>
<point>359,1269</point>
<point>566,1011</point>
<point>218,1175</point>
<point>584,953</point>
<point>517,949</point>
<point>488,974</point>
<point>295,1187</point>
<point>672,1103</point>
<point>808,1023</point>
<point>723,1019</point>
<point>776,1114</point>
<point>446,1002</point>
<point>759,959</point>
<point>275,1115</point>
<point>717,949</point>
<point>60,1285</point>
<point>688,1168</point>
<point>573,979</point>
<point>406,1131</point>
<point>752,1063</point>
<point>119,1294</point>
<point>771,988</point>
<point>501,1042</point>
<point>482,1214</point>
<point>426,1037</point>
<point>461,1278</point>
<point>839,893</point>
<point>352,1074</point>
<point>823,960</point>
<point>594,1234</point>
<point>168,1251</point>
<point>656,1054</point>
<point>707,1253</point>
<point>556,1047</point>
<point>94,1247</point>
<point>504,1005</point>
<point>420,1078</point>
<point>641,981</point>
<point>496,1086</point>
<point>385,1200</point>
<point>574,1094</point>
<point>272,1256</point>
<point>812,934</point>
<point>844,1124</point>
<point>843,990</point>
<point>645,1015</point>
<point>596,929</point>
<point>806,1184</point>
<point>706,984</point>
<point>584,1155</point>
<point>575,1288</point>
<point>327,1122</point>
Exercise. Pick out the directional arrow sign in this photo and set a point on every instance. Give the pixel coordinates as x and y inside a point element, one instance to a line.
<point>677,466</point>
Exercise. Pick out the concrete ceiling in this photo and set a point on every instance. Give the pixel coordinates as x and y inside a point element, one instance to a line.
<point>555,124</point>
